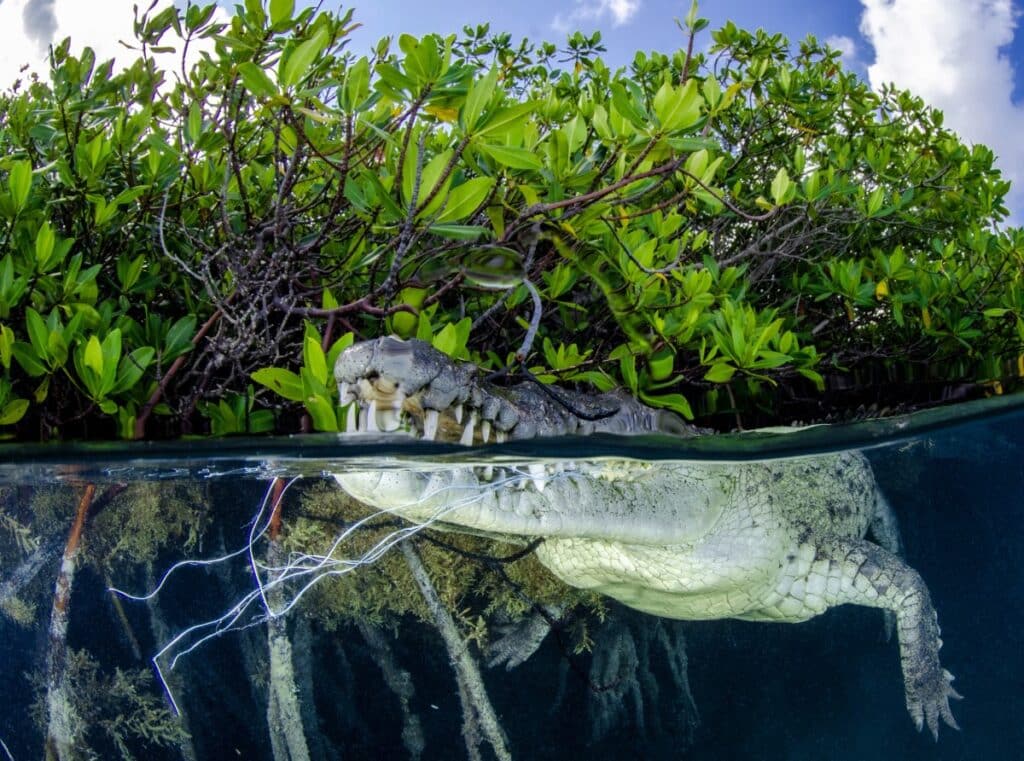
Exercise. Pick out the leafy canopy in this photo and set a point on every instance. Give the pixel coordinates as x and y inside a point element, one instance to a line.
<point>199,245</point>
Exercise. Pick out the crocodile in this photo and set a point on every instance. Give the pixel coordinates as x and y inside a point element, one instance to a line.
<point>781,540</point>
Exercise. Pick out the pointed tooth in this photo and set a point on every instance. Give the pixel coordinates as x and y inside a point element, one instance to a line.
<point>485,430</point>
<point>538,477</point>
<point>362,424</point>
<point>371,416</point>
<point>351,417</point>
<point>343,392</point>
<point>467,432</point>
<point>430,421</point>
<point>500,437</point>
<point>488,472</point>
<point>458,413</point>
<point>387,420</point>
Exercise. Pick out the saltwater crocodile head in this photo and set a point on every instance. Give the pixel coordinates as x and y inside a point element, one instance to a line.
<point>411,386</point>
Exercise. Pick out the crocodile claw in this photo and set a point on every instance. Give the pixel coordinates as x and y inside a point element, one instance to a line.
<point>928,703</point>
<point>518,641</point>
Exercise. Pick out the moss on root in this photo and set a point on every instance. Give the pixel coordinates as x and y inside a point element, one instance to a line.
<point>381,593</point>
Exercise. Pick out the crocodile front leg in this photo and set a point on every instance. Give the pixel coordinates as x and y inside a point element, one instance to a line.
<point>824,572</point>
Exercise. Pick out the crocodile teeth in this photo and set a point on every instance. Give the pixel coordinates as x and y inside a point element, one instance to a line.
<point>467,433</point>
<point>458,413</point>
<point>344,392</point>
<point>388,420</point>
<point>363,424</point>
<point>538,476</point>
<point>430,422</point>
<point>371,416</point>
<point>488,472</point>
<point>500,436</point>
<point>350,418</point>
<point>485,430</point>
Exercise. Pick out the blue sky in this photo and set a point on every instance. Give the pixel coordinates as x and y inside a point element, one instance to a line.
<point>650,27</point>
<point>965,57</point>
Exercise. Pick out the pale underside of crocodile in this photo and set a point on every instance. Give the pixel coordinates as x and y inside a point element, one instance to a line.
<point>774,541</point>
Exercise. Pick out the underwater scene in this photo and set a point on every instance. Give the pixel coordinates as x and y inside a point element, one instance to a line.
<point>764,595</point>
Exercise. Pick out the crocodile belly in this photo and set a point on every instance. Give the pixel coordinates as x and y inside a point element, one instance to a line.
<point>709,580</point>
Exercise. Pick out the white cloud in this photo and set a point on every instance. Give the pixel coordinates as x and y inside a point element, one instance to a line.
<point>846,47</point>
<point>28,27</point>
<point>952,55</point>
<point>592,11</point>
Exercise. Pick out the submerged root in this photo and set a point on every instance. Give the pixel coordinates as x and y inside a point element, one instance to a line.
<point>284,719</point>
<point>281,584</point>
<point>477,711</point>
<point>400,682</point>
<point>64,727</point>
<point>630,673</point>
<point>328,538</point>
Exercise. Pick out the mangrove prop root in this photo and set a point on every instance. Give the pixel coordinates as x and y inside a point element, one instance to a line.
<point>284,718</point>
<point>400,682</point>
<point>48,550</point>
<point>161,633</point>
<point>62,721</point>
<point>477,710</point>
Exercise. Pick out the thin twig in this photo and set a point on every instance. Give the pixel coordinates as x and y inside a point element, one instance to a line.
<point>531,333</point>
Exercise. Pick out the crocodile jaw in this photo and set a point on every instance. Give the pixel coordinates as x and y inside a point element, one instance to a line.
<point>410,386</point>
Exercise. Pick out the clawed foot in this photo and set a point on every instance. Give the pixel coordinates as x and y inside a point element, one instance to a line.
<point>517,641</point>
<point>929,702</point>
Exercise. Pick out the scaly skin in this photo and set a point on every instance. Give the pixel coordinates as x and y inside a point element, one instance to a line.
<point>771,541</point>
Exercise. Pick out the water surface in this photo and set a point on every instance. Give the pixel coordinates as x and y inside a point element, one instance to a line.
<point>374,680</point>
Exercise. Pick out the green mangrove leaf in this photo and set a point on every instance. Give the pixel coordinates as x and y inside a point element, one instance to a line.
<point>321,411</point>
<point>678,108</point>
<point>513,158</point>
<point>674,402</point>
<point>479,95</point>
<point>256,80</point>
<point>94,355</point>
<point>295,66</point>
<point>29,359</point>
<point>504,119</point>
<point>131,369</point>
<point>19,182</point>
<point>284,382</point>
<point>13,411</point>
<point>281,11</point>
<point>464,199</point>
<point>720,372</point>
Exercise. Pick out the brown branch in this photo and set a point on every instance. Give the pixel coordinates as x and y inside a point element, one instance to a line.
<point>363,306</point>
<point>63,725</point>
<point>158,392</point>
<point>276,492</point>
<point>596,195</point>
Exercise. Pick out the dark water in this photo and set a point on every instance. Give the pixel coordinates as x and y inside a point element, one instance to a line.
<point>378,682</point>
